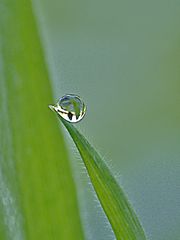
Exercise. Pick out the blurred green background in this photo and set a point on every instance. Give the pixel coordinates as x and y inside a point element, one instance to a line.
<point>123,59</point>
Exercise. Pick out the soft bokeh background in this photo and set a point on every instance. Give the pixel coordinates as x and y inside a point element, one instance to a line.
<point>123,59</point>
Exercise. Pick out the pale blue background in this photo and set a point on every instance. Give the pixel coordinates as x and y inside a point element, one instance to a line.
<point>123,59</point>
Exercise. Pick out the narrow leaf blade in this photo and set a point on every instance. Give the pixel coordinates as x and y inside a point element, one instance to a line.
<point>113,200</point>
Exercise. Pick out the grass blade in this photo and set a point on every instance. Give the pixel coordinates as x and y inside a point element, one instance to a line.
<point>122,217</point>
<point>37,192</point>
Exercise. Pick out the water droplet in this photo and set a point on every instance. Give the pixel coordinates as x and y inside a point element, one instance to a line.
<point>70,107</point>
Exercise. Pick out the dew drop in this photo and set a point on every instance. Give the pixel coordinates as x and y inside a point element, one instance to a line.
<point>70,107</point>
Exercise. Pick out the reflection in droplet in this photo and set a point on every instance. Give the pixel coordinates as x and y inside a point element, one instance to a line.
<point>70,107</point>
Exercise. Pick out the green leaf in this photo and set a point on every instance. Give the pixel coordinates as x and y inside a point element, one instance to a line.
<point>37,193</point>
<point>113,200</point>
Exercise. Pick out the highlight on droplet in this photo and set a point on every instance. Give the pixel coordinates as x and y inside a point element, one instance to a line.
<point>70,107</point>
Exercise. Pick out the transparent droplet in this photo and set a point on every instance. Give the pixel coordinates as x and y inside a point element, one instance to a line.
<point>70,107</point>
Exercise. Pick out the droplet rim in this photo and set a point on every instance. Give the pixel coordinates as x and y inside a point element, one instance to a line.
<point>61,111</point>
